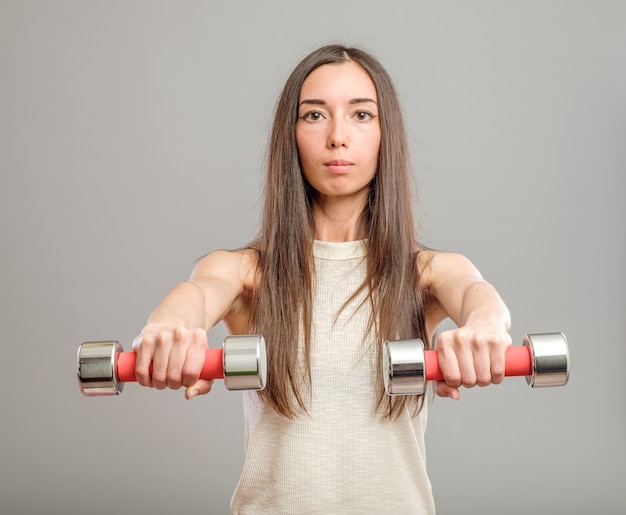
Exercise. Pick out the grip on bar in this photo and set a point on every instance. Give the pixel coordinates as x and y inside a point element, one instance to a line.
<point>103,367</point>
<point>518,362</point>
<point>543,359</point>
<point>213,367</point>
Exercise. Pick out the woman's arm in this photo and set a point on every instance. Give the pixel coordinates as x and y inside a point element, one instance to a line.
<point>174,339</point>
<point>473,354</point>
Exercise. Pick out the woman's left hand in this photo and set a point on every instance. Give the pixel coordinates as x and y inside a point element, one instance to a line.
<point>471,355</point>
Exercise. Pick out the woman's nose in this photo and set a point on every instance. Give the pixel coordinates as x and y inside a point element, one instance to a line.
<point>338,134</point>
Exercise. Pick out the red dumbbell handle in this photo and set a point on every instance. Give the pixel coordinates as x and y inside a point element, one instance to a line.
<point>518,362</point>
<point>213,366</point>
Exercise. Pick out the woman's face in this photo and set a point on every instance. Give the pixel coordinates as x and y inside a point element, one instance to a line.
<point>338,130</point>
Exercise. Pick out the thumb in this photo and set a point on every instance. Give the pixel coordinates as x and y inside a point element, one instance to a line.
<point>201,387</point>
<point>443,390</point>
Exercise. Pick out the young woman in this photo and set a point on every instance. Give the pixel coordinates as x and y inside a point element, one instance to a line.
<point>337,269</point>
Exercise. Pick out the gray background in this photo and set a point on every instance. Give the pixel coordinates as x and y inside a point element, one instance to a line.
<point>132,141</point>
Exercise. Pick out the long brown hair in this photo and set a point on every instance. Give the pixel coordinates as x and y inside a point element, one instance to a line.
<point>283,301</point>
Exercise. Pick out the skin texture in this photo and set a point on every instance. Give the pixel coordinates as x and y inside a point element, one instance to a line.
<point>338,138</point>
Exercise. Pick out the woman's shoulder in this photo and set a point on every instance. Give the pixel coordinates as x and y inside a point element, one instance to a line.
<point>230,274</point>
<point>239,265</point>
<point>436,267</point>
<point>434,260</point>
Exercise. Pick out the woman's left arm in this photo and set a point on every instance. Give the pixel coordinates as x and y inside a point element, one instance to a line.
<point>473,353</point>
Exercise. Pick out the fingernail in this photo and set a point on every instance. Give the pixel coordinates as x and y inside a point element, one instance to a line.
<point>193,393</point>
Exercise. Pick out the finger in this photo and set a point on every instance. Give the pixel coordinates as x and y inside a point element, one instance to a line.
<point>482,361</point>
<point>144,349</point>
<point>465,358</point>
<point>137,342</point>
<point>196,355</point>
<point>498,362</point>
<point>177,358</point>
<point>201,387</point>
<point>448,364</point>
<point>160,360</point>
<point>443,390</point>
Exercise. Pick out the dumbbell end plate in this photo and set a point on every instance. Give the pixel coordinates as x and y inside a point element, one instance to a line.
<point>550,359</point>
<point>96,365</point>
<point>404,367</point>
<point>245,366</point>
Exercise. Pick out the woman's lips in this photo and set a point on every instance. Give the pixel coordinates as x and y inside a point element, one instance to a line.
<point>338,166</point>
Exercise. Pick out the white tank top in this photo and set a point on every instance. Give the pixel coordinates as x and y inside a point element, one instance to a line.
<point>341,457</point>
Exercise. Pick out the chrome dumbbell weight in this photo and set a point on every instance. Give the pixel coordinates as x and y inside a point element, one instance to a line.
<point>103,367</point>
<point>543,359</point>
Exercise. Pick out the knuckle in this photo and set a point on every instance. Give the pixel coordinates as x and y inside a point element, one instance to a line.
<point>198,333</point>
<point>159,377</point>
<point>174,380</point>
<point>190,372</point>
<point>453,380</point>
<point>497,371</point>
<point>483,379</point>
<point>142,379</point>
<point>179,334</point>
<point>468,379</point>
<point>446,339</point>
<point>162,340</point>
<point>480,339</point>
<point>187,382</point>
<point>463,335</point>
<point>468,383</point>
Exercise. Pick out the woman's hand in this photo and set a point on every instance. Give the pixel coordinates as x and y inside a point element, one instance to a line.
<point>471,355</point>
<point>176,355</point>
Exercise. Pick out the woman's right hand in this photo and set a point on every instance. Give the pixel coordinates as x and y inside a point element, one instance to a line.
<point>176,355</point>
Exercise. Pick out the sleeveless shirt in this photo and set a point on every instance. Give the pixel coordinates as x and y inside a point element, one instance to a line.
<point>341,456</point>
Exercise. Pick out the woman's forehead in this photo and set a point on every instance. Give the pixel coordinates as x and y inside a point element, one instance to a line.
<point>338,81</point>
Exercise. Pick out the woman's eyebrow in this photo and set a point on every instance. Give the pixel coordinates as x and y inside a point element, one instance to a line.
<point>316,101</point>
<point>313,101</point>
<point>363,101</point>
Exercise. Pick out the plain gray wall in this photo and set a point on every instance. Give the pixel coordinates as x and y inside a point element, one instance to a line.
<point>132,142</point>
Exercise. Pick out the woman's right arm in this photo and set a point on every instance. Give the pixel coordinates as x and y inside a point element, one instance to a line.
<point>174,340</point>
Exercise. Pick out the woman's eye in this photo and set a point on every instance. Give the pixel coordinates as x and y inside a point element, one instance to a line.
<point>312,116</point>
<point>363,116</point>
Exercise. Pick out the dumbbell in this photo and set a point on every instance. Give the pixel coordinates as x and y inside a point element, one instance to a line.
<point>103,367</point>
<point>543,359</point>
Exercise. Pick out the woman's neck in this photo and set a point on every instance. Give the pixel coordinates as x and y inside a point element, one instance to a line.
<point>338,220</point>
